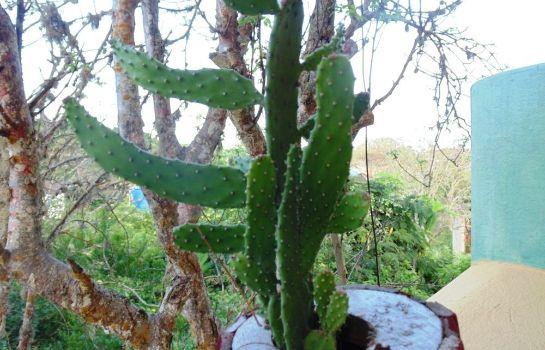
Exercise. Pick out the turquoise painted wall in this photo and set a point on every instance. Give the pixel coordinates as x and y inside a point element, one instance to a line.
<point>508,167</point>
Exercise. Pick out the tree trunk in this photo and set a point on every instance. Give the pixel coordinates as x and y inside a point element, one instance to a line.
<point>25,332</point>
<point>339,258</point>
<point>321,30</point>
<point>4,212</point>
<point>230,55</point>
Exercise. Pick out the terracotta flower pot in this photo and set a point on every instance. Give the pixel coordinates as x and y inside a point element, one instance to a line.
<point>379,318</point>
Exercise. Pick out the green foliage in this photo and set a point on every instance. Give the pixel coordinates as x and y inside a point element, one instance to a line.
<point>415,253</point>
<point>361,106</point>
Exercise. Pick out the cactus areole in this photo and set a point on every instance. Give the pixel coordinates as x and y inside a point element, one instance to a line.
<point>294,196</point>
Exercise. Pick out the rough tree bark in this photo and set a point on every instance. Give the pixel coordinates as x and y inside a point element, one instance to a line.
<point>129,120</point>
<point>230,54</point>
<point>26,330</point>
<point>4,204</point>
<point>321,30</point>
<point>339,258</point>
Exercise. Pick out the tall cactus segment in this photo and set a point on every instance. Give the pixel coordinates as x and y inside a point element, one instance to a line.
<point>326,160</point>
<point>220,88</point>
<point>283,70</point>
<point>254,7</point>
<point>212,186</point>
<point>295,290</point>
<point>257,267</point>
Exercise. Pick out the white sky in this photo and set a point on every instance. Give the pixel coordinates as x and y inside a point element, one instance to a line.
<point>515,27</point>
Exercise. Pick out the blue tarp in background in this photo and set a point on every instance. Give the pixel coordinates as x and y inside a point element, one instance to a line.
<point>138,199</point>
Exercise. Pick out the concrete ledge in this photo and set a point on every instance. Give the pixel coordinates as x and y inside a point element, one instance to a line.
<point>500,306</point>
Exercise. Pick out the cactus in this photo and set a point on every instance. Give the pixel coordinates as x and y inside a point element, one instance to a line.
<point>203,238</point>
<point>311,61</point>
<point>324,287</point>
<point>349,213</point>
<point>220,88</point>
<point>361,105</point>
<point>254,7</point>
<point>317,340</point>
<point>257,266</point>
<point>332,310</point>
<point>212,186</point>
<point>326,160</point>
<point>294,196</point>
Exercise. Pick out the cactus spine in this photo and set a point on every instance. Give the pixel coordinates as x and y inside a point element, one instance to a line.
<point>293,196</point>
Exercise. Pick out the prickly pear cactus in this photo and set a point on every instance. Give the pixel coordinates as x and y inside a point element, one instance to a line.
<point>212,186</point>
<point>294,196</point>
<point>254,7</point>
<point>221,88</point>
<point>332,310</point>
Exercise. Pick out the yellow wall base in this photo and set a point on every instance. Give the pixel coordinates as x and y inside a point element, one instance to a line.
<point>500,306</point>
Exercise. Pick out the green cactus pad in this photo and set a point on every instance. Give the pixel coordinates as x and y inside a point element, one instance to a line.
<point>275,320</point>
<point>337,311</point>
<point>324,286</point>
<point>202,238</point>
<point>219,88</point>
<point>254,7</point>
<point>312,61</point>
<point>260,238</point>
<point>249,274</point>
<point>326,160</point>
<point>207,185</point>
<point>349,213</point>
<point>317,340</point>
<point>361,105</point>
